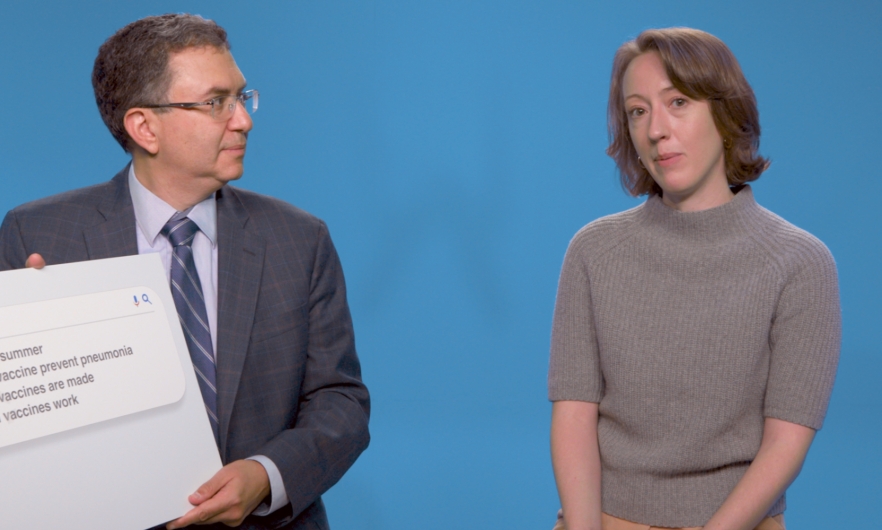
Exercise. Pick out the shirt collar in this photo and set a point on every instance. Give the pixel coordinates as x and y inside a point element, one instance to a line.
<point>151,212</point>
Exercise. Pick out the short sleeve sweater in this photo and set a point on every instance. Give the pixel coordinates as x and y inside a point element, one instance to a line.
<point>689,329</point>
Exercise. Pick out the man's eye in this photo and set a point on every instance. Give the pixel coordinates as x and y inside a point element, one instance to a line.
<point>220,101</point>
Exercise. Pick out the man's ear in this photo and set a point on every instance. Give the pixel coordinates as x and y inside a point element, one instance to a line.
<point>142,126</point>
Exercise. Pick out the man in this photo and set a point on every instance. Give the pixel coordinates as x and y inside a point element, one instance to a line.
<point>257,282</point>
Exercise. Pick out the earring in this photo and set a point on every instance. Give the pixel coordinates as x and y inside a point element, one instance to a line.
<point>640,162</point>
<point>727,143</point>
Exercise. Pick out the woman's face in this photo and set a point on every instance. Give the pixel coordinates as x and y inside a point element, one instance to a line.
<point>675,137</point>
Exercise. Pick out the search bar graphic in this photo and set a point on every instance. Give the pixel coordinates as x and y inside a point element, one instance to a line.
<point>79,360</point>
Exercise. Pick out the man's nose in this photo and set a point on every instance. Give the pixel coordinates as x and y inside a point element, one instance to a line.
<point>241,119</point>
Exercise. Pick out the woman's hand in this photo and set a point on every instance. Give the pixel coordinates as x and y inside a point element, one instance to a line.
<point>776,465</point>
<point>575,457</point>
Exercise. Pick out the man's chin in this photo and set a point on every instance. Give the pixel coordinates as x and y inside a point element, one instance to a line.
<point>234,173</point>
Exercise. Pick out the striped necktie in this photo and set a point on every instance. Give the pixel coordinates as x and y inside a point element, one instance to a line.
<point>190,303</point>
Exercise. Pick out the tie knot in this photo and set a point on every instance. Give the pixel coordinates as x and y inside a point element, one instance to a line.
<point>180,231</point>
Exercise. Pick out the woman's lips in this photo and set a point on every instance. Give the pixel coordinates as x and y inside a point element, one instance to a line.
<point>668,159</point>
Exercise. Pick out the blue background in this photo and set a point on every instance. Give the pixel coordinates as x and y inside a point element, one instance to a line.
<point>454,148</point>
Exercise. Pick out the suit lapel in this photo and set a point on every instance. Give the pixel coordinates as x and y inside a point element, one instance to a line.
<point>240,266</point>
<point>116,236</point>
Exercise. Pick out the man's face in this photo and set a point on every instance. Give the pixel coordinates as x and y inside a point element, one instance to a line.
<point>197,150</point>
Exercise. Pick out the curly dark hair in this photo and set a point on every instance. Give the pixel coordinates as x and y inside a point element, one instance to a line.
<point>702,67</point>
<point>132,66</point>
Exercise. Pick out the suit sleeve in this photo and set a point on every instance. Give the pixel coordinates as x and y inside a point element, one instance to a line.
<point>12,251</point>
<point>331,427</point>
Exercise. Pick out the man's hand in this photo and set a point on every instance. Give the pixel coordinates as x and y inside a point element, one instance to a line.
<point>228,497</point>
<point>35,261</point>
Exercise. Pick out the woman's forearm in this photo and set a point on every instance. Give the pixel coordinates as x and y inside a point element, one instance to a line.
<point>576,460</point>
<point>778,461</point>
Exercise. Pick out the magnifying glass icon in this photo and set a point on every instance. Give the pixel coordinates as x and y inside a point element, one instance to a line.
<point>146,299</point>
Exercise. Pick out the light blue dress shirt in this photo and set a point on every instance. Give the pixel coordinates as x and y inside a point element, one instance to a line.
<point>151,214</point>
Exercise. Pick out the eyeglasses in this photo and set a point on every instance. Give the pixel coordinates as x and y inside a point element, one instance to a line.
<point>222,107</point>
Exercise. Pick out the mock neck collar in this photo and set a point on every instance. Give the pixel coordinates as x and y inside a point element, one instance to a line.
<point>711,225</point>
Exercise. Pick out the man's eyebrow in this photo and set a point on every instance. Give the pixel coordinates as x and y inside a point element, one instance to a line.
<point>222,91</point>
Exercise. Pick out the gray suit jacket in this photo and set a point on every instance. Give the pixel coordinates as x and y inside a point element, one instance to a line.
<point>288,378</point>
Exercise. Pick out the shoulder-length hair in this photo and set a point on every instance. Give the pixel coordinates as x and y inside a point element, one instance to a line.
<point>702,67</point>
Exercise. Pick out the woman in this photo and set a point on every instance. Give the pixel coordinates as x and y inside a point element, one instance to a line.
<point>696,336</point>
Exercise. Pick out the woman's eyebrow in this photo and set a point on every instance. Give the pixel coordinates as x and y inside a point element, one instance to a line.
<point>665,90</point>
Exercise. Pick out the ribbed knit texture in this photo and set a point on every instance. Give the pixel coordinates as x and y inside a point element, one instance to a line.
<point>689,329</point>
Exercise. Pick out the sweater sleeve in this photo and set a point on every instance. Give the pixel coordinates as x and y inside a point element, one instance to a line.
<point>574,369</point>
<point>805,337</point>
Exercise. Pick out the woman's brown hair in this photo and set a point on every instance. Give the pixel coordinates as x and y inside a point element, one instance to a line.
<point>702,67</point>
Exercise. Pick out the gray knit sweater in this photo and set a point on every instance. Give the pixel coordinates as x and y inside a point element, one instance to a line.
<point>689,329</point>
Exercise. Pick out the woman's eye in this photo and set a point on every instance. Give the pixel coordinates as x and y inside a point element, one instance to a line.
<point>636,112</point>
<point>679,102</point>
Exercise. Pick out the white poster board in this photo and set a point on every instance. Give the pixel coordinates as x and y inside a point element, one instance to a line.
<point>102,424</point>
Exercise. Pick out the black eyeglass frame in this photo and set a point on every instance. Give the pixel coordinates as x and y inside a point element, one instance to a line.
<point>215,103</point>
